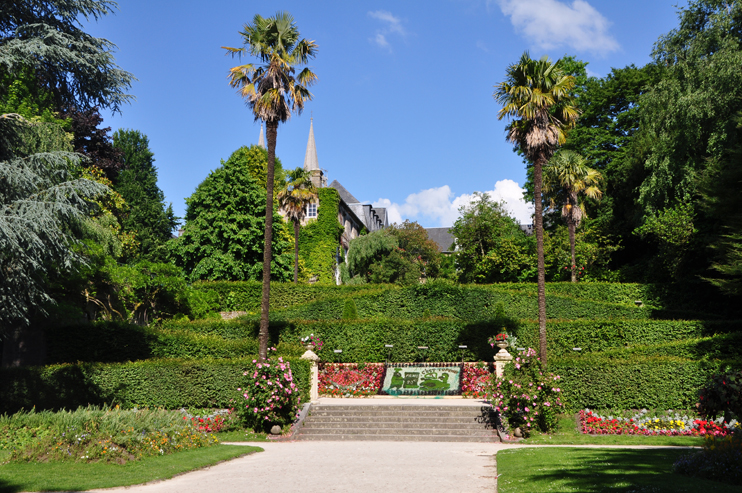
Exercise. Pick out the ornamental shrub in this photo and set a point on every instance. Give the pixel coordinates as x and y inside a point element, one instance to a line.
<point>350,380</point>
<point>350,312</point>
<point>719,460</point>
<point>475,379</point>
<point>722,396</point>
<point>527,396</point>
<point>270,395</point>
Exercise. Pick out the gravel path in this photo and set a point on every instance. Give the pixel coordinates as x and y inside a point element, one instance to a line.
<point>357,467</point>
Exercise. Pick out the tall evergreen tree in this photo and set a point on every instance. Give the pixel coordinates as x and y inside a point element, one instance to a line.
<point>148,216</point>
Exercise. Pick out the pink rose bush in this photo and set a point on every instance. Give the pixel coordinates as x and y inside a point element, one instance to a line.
<point>269,394</point>
<point>526,396</point>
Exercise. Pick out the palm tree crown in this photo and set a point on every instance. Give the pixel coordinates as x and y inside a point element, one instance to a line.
<point>271,90</point>
<point>537,95</point>
<point>567,172</point>
<point>294,199</point>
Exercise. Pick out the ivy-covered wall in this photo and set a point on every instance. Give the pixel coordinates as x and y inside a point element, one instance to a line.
<point>319,239</point>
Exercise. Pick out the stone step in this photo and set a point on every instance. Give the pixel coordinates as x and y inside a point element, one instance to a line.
<point>396,419</point>
<point>393,431</point>
<point>389,408</point>
<point>392,425</point>
<point>411,414</point>
<point>396,437</point>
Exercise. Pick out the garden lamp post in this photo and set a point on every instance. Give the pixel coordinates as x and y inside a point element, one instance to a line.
<point>338,352</point>
<point>389,348</point>
<point>423,349</point>
<point>461,350</point>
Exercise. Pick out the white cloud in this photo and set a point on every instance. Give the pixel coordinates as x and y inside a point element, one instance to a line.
<point>439,206</point>
<point>391,25</point>
<point>551,24</point>
<point>482,46</point>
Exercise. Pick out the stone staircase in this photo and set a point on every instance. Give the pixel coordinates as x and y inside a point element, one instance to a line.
<point>420,423</point>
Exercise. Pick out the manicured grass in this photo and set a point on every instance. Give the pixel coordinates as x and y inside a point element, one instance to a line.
<point>241,436</point>
<point>587,470</point>
<point>72,476</point>
<point>568,434</point>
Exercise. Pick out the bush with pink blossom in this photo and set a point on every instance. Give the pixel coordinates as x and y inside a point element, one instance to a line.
<point>269,394</point>
<point>527,396</point>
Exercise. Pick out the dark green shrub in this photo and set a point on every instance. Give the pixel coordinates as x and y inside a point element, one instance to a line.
<point>722,396</point>
<point>350,312</point>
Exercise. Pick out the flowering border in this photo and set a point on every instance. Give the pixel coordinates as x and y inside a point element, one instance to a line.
<point>641,424</point>
<point>334,379</point>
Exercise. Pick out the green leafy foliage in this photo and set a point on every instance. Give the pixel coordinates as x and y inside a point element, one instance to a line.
<point>225,223</point>
<point>171,384</point>
<point>672,230</point>
<point>319,240</point>
<point>491,247</point>
<point>350,312</point>
<point>147,216</point>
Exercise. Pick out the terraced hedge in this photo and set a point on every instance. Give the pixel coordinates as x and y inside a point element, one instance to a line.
<point>170,384</point>
<point>656,382</point>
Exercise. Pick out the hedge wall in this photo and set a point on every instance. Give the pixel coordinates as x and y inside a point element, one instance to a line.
<point>660,300</point>
<point>120,341</point>
<point>170,384</point>
<point>659,383</point>
<point>463,302</point>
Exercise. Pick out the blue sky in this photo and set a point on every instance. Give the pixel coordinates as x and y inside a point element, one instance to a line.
<point>403,110</point>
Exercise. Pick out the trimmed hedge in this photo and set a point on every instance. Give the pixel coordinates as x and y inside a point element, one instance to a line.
<point>463,302</point>
<point>170,384</point>
<point>652,383</point>
<point>660,300</point>
<point>120,342</point>
<point>595,336</point>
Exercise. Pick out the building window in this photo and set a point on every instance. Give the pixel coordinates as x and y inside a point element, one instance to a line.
<point>312,210</point>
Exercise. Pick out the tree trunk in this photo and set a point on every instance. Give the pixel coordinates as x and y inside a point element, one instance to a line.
<point>272,132</point>
<point>296,252</point>
<point>537,168</point>
<point>571,226</point>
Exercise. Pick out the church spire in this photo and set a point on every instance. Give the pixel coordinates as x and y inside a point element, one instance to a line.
<point>310,158</point>
<point>261,139</point>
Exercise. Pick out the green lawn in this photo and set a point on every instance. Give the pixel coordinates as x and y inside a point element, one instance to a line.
<point>71,476</point>
<point>567,434</point>
<point>585,470</point>
<point>241,436</point>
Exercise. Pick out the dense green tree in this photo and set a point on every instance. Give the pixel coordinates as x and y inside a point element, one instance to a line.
<point>76,68</point>
<point>147,216</point>
<point>376,258</point>
<point>566,177</point>
<point>537,95</point>
<point>417,247</point>
<point>490,245</point>
<point>43,206</point>
<point>272,93</point>
<point>223,235</point>
<point>294,198</point>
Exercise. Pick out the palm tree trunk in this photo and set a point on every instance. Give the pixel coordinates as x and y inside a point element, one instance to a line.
<point>272,132</point>
<point>537,168</point>
<point>296,252</point>
<point>571,227</point>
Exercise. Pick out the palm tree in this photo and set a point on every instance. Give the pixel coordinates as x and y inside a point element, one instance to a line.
<point>569,173</point>
<point>536,95</point>
<point>272,93</point>
<point>294,200</point>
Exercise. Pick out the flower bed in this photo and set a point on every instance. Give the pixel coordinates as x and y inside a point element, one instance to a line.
<point>474,380</point>
<point>350,379</point>
<point>670,424</point>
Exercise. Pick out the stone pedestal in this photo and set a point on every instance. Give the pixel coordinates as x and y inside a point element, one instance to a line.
<point>502,358</point>
<point>314,372</point>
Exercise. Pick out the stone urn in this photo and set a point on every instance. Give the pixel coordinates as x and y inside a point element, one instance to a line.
<point>310,347</point>
<point>502,353</point>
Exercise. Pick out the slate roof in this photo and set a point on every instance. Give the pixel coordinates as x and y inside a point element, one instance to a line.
<point>344,194</point>
<point>443,237</point>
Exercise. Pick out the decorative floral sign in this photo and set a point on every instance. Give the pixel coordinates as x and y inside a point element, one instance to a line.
<point>422,380</point>
<point>350,380</point>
